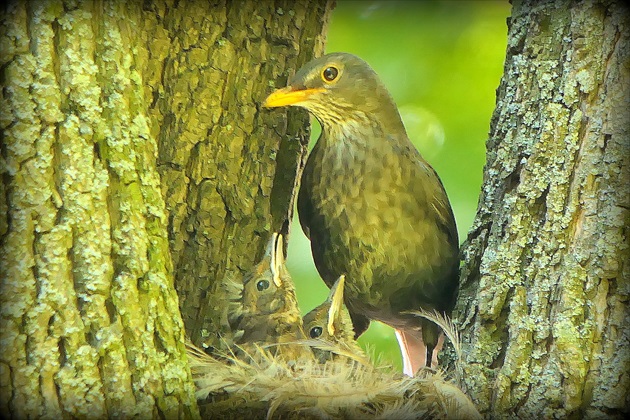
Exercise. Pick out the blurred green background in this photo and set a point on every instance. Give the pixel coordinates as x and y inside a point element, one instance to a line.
<point>442,62</point>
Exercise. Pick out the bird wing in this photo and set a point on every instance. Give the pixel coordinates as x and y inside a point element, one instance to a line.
<point>429,188</point>
<point>439,201</point>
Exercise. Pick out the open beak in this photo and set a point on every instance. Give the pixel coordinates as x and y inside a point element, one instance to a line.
<point>289,96</point>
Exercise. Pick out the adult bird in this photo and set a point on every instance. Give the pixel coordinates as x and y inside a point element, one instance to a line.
<point>371,206</point>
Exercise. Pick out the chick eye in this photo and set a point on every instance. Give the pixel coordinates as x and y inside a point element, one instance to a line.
<point>330,73</point>
<point>315,332</point>
<point>262,285</point>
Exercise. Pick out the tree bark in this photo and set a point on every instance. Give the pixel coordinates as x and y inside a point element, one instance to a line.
<point>100,99</point>
<point>228,167</point>
<point>543,304</point>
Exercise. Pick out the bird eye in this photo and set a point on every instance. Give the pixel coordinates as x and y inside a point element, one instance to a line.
<point>330,73</point>
<point>262,285</point>
<point>315,332</point>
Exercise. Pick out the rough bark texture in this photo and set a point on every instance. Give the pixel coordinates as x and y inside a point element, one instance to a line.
<point>90,323</point>
<point>544,303</point>
<point>228,166</point>
<point>99,99</point>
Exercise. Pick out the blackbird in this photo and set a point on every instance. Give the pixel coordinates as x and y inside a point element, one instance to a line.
<point>371,206</point>
<point>264,309</point>
<point>331,323</point>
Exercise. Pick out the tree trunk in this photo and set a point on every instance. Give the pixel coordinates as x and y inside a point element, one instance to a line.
<point>98,100</point>
<point>543,305</point>
<point>229,167</point>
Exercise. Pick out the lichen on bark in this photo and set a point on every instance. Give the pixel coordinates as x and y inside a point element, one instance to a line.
<point>91,325</point>
<point>546,274</point>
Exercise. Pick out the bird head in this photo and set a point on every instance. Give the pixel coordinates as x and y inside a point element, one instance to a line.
<point>339,89</point>
<point>266,309</point>
<point>268,288</point>
<point>330,320</point>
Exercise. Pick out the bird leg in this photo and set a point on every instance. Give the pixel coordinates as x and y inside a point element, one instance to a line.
<point>415,353</point>
<point>412,349</point>
<point>437,349</point>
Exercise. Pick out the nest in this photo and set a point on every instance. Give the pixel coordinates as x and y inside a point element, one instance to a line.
<point>267,386</point>
<point>262,366</point>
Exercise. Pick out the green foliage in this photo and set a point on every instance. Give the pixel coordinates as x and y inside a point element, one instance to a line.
<point>442,62</point>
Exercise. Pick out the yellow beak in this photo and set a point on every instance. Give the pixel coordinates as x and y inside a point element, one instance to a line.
<point>288,96</point>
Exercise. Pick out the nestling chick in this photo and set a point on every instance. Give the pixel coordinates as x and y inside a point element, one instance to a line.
<point>264,309</point>
<point>330,323</point>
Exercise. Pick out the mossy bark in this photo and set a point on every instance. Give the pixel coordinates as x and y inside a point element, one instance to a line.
<point>98,100</point>
<point>228,166</point>
<point>543,304</point>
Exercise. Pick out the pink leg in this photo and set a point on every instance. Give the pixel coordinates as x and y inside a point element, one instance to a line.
<point>412,349</point>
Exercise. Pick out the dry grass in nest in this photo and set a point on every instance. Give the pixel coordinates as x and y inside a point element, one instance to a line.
<point>268,386</point>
